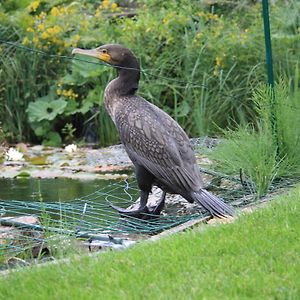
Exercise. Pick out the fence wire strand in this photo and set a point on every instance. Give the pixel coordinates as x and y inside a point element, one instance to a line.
<point>67,218</point>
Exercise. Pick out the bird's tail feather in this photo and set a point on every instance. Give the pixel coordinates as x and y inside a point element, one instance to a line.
<point>212,203</point>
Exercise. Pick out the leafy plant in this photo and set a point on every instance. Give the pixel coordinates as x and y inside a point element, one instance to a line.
<point>2,136</point>
<point>200,62</point>
<point>267,149</point>
<point>69,131</point>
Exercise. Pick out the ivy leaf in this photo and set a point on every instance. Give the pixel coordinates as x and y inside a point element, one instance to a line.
<point>94,97</point>
<point>86,106</point>
<point>41,128</point>
<point>42,110</point>
<point>71,107</point>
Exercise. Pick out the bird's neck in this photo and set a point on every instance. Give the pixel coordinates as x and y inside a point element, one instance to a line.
<point>127,81</point>
<point>126,84</point>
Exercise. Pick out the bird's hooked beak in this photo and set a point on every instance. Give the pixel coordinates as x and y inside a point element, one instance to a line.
<point>96,52</point>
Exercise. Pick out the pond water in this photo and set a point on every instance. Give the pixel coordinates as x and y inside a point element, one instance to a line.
<point>66,199</point>
<point>74,204</point>
<point>49,190</point>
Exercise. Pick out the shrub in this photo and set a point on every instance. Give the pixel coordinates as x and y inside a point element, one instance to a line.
<point>200,62</point>
<point>268,149</point>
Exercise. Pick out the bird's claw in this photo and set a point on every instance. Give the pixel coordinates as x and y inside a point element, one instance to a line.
<point>144,212</point>
<point>135,213</point>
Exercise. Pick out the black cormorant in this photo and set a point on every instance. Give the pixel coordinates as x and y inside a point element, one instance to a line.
<point>158,147</point>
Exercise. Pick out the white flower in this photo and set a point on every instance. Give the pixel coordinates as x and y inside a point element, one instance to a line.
<point>71,148</point>
<point>13,155</point>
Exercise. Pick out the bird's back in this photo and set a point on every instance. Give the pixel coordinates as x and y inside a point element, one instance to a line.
<point>156,141</point>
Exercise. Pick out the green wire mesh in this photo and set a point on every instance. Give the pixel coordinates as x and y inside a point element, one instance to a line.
<point>92,214</point>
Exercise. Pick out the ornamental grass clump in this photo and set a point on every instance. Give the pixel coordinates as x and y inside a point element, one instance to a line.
<point>268,149</point>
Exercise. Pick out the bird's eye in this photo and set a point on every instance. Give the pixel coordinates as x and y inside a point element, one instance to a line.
<point>104,51</point>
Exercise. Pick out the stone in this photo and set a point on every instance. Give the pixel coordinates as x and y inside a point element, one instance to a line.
<point>15,237</point>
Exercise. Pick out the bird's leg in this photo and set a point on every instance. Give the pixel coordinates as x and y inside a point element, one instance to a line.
<point>143,212</point>
<point>145,181</point>
<point>160,205</point>
<point>143,199</point>
<point>135,213</point>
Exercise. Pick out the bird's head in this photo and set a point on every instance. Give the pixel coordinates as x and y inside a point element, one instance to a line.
<point>113,54</point>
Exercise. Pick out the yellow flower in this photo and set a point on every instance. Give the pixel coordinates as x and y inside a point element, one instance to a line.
<point>166,20</point>
<point>63,11</point>
<point>67,93</point>
<point>114,6</point>
<point>41,16</point>
<point>218,61</point>
<point>29,29</point>
<point>41,27</point>
<point>76,37</point>
<point>208,16</point>
<point>54,11</point>
<point>25,41</point>
<point>55,40</point>
<point>199,35</point>
<point>54,30</point>
<point>214,17</point>
<point>105,4</point>
<point>45,35</point>
<point>57,29</point>
<point>75,40</point>
<point>34,5</point>
<point>35,41</point>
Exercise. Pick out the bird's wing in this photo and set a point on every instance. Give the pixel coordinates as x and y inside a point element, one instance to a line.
<point>154,140</point>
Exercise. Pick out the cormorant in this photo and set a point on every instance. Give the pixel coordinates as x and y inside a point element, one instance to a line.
<point>158,147</point>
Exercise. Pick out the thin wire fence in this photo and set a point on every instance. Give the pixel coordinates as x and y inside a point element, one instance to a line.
<point>144,71</point>
<point>91,216</point>
<point>149,72</point>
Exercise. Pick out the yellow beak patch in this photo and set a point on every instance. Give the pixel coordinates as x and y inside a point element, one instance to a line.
<point>105,57</point>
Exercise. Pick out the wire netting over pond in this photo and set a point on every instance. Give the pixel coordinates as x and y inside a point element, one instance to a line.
<point>91,215</point>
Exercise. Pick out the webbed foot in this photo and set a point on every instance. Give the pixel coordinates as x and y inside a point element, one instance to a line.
<point>134,213</point>
<point>144,212</point>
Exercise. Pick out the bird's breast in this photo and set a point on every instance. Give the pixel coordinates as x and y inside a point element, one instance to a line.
<point>111,102</point>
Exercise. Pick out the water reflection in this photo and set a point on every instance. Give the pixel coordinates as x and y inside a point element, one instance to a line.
<point>48,190</point>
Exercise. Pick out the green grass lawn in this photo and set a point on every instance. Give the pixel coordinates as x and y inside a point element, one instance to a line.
<point>256,257</point>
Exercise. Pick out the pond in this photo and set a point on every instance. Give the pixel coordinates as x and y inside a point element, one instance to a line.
<point>72,207</point>
<point>71,200</point>
<point>49,190</point>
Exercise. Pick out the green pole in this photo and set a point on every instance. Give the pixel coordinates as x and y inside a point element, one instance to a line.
<point>269,60</point>
<point>269,63</point>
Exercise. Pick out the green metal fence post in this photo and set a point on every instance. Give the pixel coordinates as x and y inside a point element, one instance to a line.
<point>269,60</point>
<point>269,63</point>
